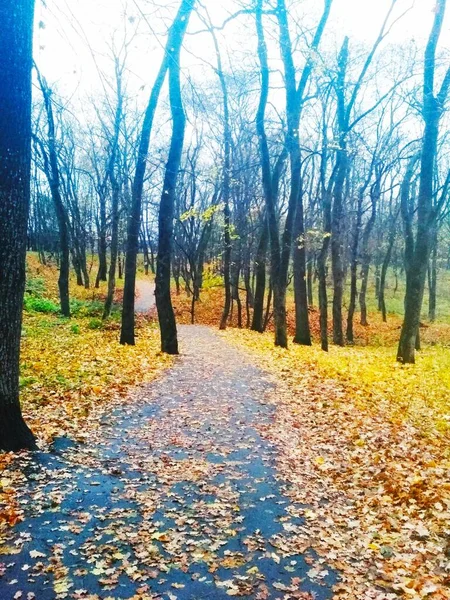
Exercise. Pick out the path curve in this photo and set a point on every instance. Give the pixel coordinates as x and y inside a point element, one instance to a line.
<point>178,497</point>
<point>145,296</point>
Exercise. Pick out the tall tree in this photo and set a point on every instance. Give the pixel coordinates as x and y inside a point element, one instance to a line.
<point>418,250</point>
<point>16,17</point>
<point>49,154</point>
<point>166,316</point>
<point>281,245</point>
<point>295,98</point>
<point>175,37</point>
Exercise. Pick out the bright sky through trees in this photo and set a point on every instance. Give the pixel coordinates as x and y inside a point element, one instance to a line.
<point>66,29</point>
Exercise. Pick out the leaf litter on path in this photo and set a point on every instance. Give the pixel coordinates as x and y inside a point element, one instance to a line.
<point>174,496</point>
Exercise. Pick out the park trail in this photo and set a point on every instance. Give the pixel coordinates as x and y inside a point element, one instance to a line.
<point>145,296</point>
<point>176,497</point>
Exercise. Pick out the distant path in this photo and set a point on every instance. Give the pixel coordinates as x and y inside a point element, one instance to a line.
<point>145,296</point>
<point>176,498</point>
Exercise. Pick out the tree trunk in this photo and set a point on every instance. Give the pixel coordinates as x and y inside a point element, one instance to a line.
<point>384,270</point>
<point>51,168</point>
<point>127,335</point>
<point>114,247</point>
<point>260,287</point>
<point>16,17</point>
<point>354,269</point>
<point>302,331</point>
<point>166,316</point>
<point>337,259</point>
<point>432,280</point>
<point>309,280</point>
<point>102,246</point>
<point>426,213</point>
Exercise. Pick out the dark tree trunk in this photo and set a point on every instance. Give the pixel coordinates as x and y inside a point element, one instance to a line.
<point>260,287</point>
<point>120,274</point>
<point>114,247</point>
<point>16,17</point>
<point>354,268</point>
<point>226,188</point>
<point>280,249</point>
<point>323,253</point>
<point>337,259</point>
<point>77,269</point>
<point>365,260</point>
<point>432,279</point>
<point>166,316</point>
<point>127,334</point>
<point>433,107</point>
<point>268,306</point>
<point>146,255</point>
<point>309,280</point>
<point>52,173</point>
<point>384,270</point>
<point>226,264</point>
<point>302,331</point>
<point>102,246</point>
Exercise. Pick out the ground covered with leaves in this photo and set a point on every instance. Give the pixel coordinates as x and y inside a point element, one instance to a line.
<point>73,369</point>
<point>240,469</point>
<point>365,444</point>
<point>176,497</point>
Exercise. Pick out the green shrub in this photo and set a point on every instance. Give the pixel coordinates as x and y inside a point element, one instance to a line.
<point>35,286</point>
<point>75,328</point>
<point>86,308</point>
<point>95,324</point>
<point>42,305</point>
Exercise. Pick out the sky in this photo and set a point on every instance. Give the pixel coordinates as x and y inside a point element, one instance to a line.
<point>74,37</point>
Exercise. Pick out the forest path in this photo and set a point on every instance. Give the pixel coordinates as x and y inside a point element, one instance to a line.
<point>176,498</point>
<point>145,296</point>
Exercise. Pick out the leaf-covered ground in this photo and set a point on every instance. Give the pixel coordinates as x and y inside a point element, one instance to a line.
<point>174,496</point>
<point>374,479</point>
<point>73,370</point>
<point>245,470</point>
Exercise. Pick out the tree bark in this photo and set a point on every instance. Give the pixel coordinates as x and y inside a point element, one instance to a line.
<point>260,267</point>
<point>166,316</point>
<point>16,17</point>
<point>52,173</point>
<point>432,279</point>
<point>127,334</point>
<point>433,107</point>
<point>375,194</point>
<point>384,270</point>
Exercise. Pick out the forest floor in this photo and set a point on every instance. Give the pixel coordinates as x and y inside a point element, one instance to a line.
<point>236,469</point>
<point>176,495</point>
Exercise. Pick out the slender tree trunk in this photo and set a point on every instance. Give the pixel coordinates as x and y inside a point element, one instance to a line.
<point>426,214</point>
<point>384,270</point>
<point>260,287</point>
<point>114,248</point>
<point>166,316</point>
<point>365,266</point>
<point>127,334</point>
<point>51,168</point>
<point>102,246</point>
<point>309,280</point>
<point>268,306</point>
<point>337,259</point>
<point>16,17</point>
<point>432,280</point>
<point>354,269</point>
<point>302,331</point>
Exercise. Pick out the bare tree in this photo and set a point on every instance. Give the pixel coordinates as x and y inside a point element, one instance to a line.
<point>417,251</point>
